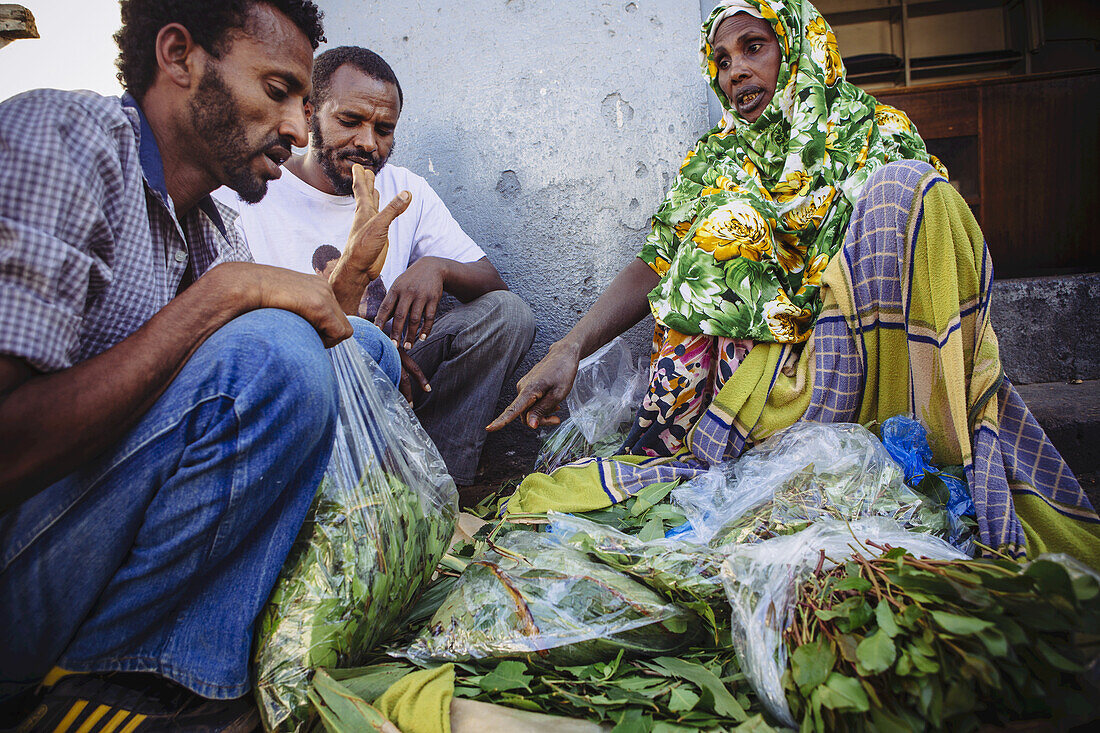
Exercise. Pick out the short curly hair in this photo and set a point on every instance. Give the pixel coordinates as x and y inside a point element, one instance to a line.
<point>366,61</point>
<point>323,255</point>
<point>208,22</point>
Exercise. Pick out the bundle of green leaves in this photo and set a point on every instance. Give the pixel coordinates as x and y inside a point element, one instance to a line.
<point>357,566</point>
<point>897,643</point>
<point>533,598</point>
<point>686,573</point>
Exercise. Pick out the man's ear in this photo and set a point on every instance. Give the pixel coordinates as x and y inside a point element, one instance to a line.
<point>309,111</point>
<point>176,55</point>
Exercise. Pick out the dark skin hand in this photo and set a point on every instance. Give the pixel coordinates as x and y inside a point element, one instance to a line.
<point>414,297</point>
<point>50,424</point>
<point>368,242</point>
<point>542,389</point>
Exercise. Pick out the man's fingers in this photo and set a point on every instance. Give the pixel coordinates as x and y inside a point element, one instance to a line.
<point>429,320</point>
<point>538,415</point>
<point>362,186</point>
<point>520,404</point>
<point>335,331</point>
<point>385,310</point>
<point>417,373</point>
<point>400,313</point>
<point>415,318</point>
<point>393,209</point>
<point>404,386</point>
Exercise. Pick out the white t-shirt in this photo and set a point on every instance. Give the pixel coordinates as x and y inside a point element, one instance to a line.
<point>294,219</point>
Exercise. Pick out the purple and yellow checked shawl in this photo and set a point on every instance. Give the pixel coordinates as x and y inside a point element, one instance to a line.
<point>904,328</point>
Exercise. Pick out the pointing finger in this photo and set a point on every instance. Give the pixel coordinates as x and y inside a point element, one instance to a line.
<point>522,401</point>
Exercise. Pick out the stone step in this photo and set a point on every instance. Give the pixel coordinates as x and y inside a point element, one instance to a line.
<point>1048,327</point>
<point>1070,415</point>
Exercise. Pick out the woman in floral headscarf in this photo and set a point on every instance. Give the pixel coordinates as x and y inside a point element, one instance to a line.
<point>809,262</point>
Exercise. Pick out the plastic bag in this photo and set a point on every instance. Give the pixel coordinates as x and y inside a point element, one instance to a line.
<point>538,600</point>
<point>761,582</point>
<point>686,573</point>
<point>382,519</point>
<point>906,440</point>
<point>808,472</point>
<point>608,387</point>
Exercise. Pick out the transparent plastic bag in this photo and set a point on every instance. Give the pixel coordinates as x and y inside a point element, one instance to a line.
<point>606,392</point>
<point>808,472</point>
<point>685,572</point>
<point>536,599</point>
<point>382,519</point>
<point>761,581</point>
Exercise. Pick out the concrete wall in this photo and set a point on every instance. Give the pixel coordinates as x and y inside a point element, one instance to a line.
<point>551,128</point>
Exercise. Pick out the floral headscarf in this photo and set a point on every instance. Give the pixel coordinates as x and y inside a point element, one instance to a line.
<point>758,209</point>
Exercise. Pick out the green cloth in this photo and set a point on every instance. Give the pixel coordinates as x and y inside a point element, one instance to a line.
<point>420,702</point>
<point>758,210</point>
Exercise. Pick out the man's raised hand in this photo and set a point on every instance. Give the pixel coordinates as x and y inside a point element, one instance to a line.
<point>368,242</point>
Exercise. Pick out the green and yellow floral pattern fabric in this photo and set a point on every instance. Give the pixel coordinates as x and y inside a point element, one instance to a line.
<point>758,209</point>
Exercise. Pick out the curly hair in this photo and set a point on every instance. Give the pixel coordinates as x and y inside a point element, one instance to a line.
<point>208,21</point>
<point>323,255</point>
<point>368,62</point>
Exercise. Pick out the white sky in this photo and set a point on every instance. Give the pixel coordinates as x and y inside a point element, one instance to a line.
<point>76,50</point>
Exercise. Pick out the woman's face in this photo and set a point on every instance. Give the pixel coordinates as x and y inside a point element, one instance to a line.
<point>746,54</point>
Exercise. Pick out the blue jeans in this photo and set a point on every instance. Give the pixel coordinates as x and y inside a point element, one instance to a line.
<point>158,555</point>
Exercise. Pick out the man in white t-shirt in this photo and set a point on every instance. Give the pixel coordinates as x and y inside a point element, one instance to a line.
<point>454,367</point>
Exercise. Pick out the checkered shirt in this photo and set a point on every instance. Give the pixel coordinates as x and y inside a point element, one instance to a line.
<point>90,246</point>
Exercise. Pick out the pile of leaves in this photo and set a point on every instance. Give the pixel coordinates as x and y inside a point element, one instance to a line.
<point>810,495</point>
<point>535,598</point>
<point>358,564</point>
<point>898,643</point>
<point>700,689</point>
<point>686,573</point>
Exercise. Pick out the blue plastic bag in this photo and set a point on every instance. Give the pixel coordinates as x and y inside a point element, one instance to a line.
<point>907,442</point>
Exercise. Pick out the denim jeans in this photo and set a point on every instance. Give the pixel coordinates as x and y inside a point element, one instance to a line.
<point>472,349</point>
<point>158,555</point>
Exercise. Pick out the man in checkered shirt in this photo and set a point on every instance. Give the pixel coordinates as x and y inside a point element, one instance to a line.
<point>166,406</point>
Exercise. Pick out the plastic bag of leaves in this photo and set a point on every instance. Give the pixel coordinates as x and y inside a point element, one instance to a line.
<point>906,440</point>
<point>896,643</point>
<point>535,599</point>
<point>808,472</point>
<point>684,572</point>
<point>382,519</point>
<point>762,579</point>
<point>606,392</point>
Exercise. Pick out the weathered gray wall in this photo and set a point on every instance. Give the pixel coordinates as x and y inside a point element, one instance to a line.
<point>551,128</point>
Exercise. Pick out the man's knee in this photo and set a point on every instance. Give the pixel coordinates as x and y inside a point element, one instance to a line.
<point>378,346</point>
<point>276,354</point>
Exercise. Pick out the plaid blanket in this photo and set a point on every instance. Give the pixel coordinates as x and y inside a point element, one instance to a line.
<point>904,328</point>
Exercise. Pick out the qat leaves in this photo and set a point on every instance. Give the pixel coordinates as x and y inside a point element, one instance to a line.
<point>943,641</point>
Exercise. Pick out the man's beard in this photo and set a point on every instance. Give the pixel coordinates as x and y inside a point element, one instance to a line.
<point>215,116</point>
<point>328,158</point>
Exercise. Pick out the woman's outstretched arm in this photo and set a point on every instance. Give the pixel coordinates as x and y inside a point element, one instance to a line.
<point>542,389</point>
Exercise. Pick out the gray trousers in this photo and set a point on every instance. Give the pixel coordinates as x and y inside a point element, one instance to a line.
<point>472,349</point>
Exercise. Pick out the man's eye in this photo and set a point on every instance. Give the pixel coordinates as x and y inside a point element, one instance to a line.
<point>724,64</point>
<point>276,92</point>
<point>384,131</point>
<point>754,47</point>
<point>348,123</point>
